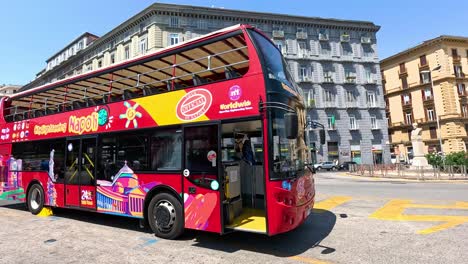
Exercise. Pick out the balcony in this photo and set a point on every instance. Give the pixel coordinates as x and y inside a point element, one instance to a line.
<point>345,38</point>
<point>366,40</point>
<point>456,59</point>
<point>278,34</point>
<point>305,79</point>
<point>328,79</point>
<point>428,100</point>
<point>303,53</point>
<point>351,104</point>
<point>350,80</point>
<point>372,104</point>
<point>329,104</point>
<point>407,105</point>
<point>301,35</point>
<point>371,80</point>
<point>403,72</point>
<point>323,37</point>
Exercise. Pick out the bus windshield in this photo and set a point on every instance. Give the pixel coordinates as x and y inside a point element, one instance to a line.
<point>289,155</point>
<point>275,64</point>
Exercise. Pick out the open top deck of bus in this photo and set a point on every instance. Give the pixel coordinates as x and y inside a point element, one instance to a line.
<point>199,61</point>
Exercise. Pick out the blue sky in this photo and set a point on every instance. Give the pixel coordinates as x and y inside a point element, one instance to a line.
<point>32,31</point>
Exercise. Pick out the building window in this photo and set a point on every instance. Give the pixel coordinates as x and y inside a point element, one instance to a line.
<point>280,46</point>
<point>461,89</point>
<point>127,52</point>
<point>402,68</point>
<point>425,77</point>
<point>304,73</point>
<point>454,52</point>
<point>350,96</point>
<point>173,39</point>
<point>142,27</point>
<point>112,57</point>
<point>404,83</point>
<point>409,118</point>
<point>328,76</point>
<point>80,45</point>
<point>458,71</point>
<point>331,122</point>
<point>373,120</point>
<point>325,48</point>
<point>89,67</point>
<point>422,60</point>
<point>328,96</point>
<point>367,50</point>
<point>464,110</point>
<point>143,45</point>
<point>430,114</point>
<point>202,24</point>
<point>427,94</point>
<point>99,63</point>
<point>174,22</point>
<point>350,76</point>
<point>352,122</point>
<point>433,132</point>
<point>302,45</point>
<point>346,49</point>
<point>371,99</point>
<point>406,98</point>
<point>368,72</point>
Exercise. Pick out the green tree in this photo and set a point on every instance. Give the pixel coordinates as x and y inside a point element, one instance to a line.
<point>456,158</point>
<point>435,159</point>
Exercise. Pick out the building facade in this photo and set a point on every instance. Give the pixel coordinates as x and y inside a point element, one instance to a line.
<point>8,89</point>
<point>426,85</point>
<point>334,61</point>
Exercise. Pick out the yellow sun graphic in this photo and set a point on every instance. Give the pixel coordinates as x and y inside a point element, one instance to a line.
<point>131,114</point>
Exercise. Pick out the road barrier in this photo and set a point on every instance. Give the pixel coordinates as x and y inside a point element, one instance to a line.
<point>448,172</point>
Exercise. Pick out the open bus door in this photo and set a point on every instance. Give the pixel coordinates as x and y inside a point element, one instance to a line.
<point>201,181</point>
<point>80,173</point>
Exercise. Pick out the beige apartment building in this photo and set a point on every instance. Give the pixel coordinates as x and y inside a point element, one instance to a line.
<point>426,85</point>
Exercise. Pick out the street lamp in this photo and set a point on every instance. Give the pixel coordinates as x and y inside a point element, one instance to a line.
<point>432,88</point>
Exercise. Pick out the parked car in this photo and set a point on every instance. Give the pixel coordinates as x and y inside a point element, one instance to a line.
<point>345,165</point>
<point>326,165</point>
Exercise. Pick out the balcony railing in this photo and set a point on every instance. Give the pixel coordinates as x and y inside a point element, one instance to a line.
<point>323,37</point>
<point>301,35</point>
<point>403,71</point>
<point>278,33</point>
<point>345,38</point>
<point>350,80</point>
<point>329,104</point>
<point>456,59</point>
<point>351,104</point>
<point>327,79</point>
<point>372,104</point>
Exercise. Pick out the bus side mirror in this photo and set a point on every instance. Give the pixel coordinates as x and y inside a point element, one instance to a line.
<point>291,125</point>
<point>322,136</point>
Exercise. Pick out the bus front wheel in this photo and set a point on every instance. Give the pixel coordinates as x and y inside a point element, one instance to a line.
<point>165,216</point>
<point>35,199</point>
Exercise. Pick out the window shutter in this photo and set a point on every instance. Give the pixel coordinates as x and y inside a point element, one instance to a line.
<point>334,49</point>
<point>292,46</point>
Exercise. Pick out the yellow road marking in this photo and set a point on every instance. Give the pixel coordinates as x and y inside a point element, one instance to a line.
<point>332,202</point>
<point>394,209</point>
<point>309,260</point>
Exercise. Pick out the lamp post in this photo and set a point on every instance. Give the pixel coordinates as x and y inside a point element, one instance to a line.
<point>432,88</point>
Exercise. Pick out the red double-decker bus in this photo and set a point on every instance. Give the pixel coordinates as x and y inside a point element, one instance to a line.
<point>207,135</point>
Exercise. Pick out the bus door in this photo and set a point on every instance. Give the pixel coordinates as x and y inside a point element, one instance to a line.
<point>201,181</point>
<point>80,173</point>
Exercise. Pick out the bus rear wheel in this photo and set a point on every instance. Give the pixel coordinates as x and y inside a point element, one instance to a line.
<point>165,216</point>
<point>35,199</point>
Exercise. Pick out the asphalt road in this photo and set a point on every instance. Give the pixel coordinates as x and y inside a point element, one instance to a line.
<point>356,221</point>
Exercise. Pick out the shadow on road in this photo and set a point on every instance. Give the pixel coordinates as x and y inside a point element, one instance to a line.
<point>309,235</point>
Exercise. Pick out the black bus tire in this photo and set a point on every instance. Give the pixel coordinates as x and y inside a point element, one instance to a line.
<point>35,199</point>
<point>165,216</point>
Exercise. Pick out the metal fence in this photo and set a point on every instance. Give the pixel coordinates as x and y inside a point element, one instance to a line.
<point>452,172</point>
